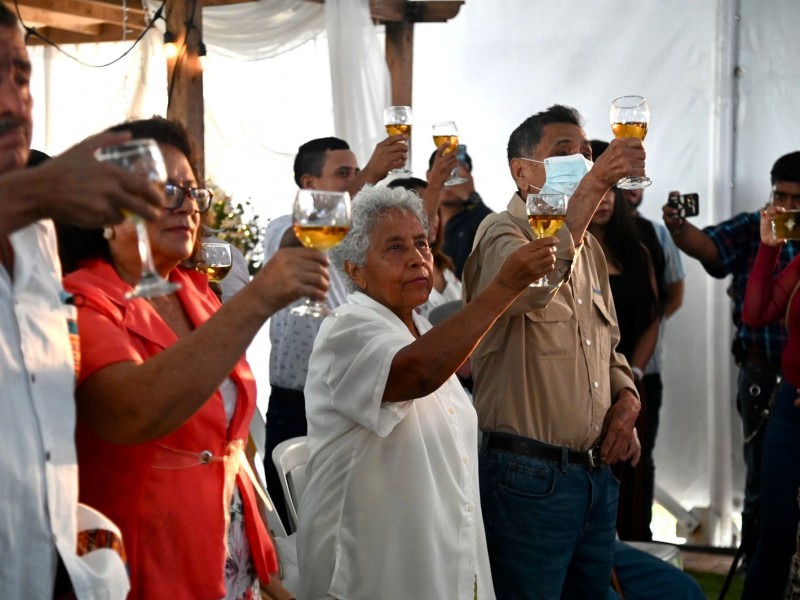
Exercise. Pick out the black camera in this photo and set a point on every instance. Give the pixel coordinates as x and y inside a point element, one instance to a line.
<point>688,205</point>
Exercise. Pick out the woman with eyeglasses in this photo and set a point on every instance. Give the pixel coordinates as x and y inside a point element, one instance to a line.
<point>165,397</point>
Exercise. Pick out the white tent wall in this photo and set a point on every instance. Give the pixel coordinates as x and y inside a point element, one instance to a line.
<point>488,69</point>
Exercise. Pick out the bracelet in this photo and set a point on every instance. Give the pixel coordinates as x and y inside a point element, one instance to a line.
<point>637,374</point>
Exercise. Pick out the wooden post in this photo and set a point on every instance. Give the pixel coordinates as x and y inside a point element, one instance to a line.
<point>400,60</point>
<point>184,73</point>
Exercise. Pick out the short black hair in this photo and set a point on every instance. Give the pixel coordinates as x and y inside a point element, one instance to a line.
<point>467,160</point>
<point>528,134</point>
<point>598,147</point>
<point>310,158</point>
<point>786,168</point>
<point>7,17</point>
<point>408,183</point>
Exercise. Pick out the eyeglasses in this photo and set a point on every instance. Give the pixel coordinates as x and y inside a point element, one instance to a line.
<point>176,193</point>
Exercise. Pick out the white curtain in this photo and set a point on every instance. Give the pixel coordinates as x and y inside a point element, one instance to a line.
<point>359,75</point>
<point>263,29</point>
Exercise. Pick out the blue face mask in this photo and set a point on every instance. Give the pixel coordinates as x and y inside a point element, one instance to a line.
<point>563,173</point>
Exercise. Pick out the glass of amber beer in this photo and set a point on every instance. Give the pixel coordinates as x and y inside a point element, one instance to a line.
<point>143,157</point>
<point>446,132</point>
<point>320,220</point>
<point>397,120</point>
<point>630,117</point>
<point>786,225</point>
<point>546,214</point>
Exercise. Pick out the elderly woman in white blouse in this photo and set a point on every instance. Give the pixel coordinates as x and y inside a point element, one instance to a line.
<point>392,507</point>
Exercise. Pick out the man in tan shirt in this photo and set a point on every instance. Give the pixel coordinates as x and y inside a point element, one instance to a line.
<point>556,402</point>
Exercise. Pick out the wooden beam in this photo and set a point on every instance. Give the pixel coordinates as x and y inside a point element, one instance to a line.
<point>420,11</point>
<point>400,60</point>
<point>105,33</point>
<point>99,12</point>
<point>388,10</point>
<point>185,75</point>
<point>434,11</point>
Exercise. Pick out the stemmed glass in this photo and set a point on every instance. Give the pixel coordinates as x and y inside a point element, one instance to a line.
<point>447,132</point>
<point>215,260</point>
<point>144,158</point>
<point>320,220</point>
<point>546,213</point>
<point>397,120</point>
<point>630,117</point>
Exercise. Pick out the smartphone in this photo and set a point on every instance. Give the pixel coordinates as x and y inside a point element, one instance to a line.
<point>688,205</point>
<point>462,154</point>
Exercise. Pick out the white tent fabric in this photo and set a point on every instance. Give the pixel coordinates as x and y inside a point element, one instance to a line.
<point>721,77</point>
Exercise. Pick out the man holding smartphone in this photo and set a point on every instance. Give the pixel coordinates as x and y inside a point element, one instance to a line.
<point>730,248</point>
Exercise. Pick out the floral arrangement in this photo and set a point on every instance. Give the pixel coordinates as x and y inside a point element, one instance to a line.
<point>237,224</point>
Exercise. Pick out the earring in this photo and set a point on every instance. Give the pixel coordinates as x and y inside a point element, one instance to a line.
<point>108,233</point>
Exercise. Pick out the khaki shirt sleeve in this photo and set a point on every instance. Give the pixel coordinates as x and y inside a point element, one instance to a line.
<point>500,240</point>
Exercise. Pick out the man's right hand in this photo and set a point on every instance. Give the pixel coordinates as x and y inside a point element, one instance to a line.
<point>624,157</point>
<point>672,218</point>
<point>391,153</point>
<point>77,189</point>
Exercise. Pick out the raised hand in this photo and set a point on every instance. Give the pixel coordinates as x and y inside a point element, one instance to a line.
<point>528,263</point>
<point>293,273</point>
<point>623,157</point>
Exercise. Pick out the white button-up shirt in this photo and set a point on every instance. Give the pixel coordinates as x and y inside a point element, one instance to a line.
<point>392,507</point>
<point>38,465</point>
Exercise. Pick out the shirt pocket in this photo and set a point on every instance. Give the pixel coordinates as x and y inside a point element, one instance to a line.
<point>604,325</point>
<point>551,331</point>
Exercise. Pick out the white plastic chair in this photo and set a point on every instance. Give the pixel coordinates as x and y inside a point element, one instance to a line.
<point>290,458</point>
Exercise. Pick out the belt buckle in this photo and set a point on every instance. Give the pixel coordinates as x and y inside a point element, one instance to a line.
<point>594,457</point>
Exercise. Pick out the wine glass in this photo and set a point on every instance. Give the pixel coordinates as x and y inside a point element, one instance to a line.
<point>397,120</point>
<point>630,117</point>
<point>546,213</point>
<point>447,132</point>
<point>144,158</point>
<point>215,260</point>
<point>320,220</point>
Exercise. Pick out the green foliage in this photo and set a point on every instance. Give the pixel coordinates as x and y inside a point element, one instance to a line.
<point>237,224</point>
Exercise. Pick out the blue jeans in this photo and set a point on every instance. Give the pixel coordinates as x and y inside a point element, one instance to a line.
<point>550,526</point>
<point>645,577</point>
<point>768,572</point>
<point>755,386</point>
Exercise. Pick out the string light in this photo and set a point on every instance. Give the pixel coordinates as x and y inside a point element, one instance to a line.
<point>170,45</point>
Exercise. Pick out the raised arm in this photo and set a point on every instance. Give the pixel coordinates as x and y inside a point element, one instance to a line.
<point>389,154</point>
<point>623,157</point>
<point>767,297</point>
<point>443,164</point>
<point>129,402</point>
<point>76,189</point>
<point>690,239</point>
<point>424,365</point>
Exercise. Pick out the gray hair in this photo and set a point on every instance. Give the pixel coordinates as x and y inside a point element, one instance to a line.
<point>370,206</point>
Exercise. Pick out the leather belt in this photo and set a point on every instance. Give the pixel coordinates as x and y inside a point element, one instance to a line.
<point>536,449</point>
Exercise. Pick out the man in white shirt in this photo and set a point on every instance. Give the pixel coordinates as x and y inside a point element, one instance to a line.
<point>40,519</point>
<point>321,164</point>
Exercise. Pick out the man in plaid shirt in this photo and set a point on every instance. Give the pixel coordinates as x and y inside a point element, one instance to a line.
<point>730,249</point>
